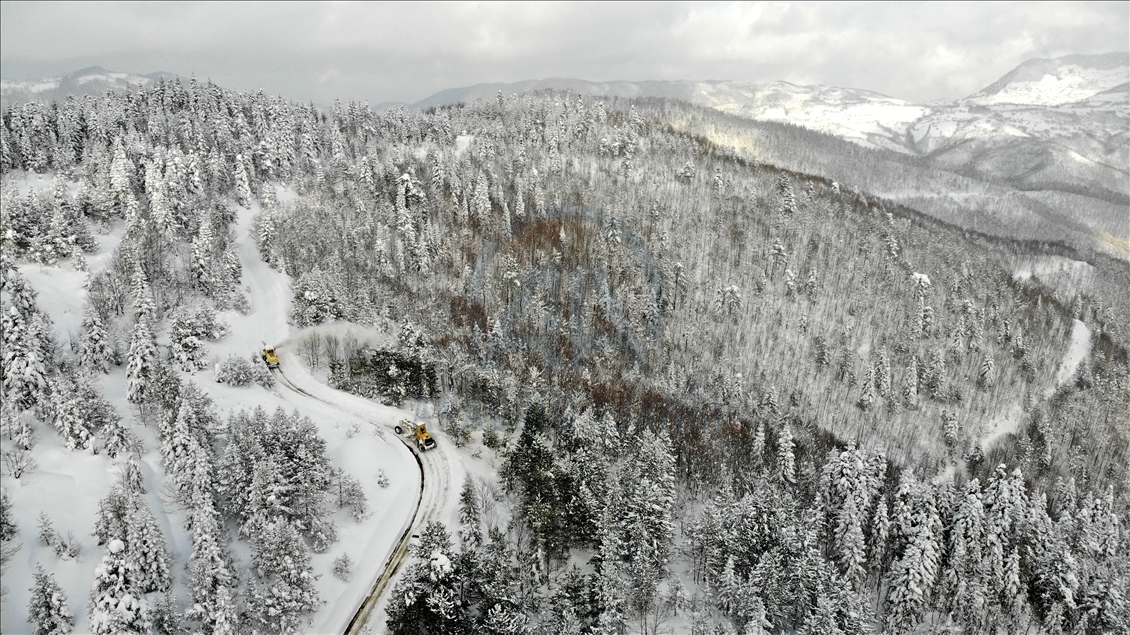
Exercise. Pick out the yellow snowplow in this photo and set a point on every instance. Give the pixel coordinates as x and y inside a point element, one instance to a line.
<point>271,357</point>
<point>424,440</point>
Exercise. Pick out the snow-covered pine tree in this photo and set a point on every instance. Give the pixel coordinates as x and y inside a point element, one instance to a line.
<point>116,437</point>
<point>343,567</point>
<point>787,207</point>
<point>964,579</point>
<point>349,494</point>
<point>759,443</point>
<point>608,585</point>
<point>164,614</point>
<point>203,253</point>
<point>426,598</point>
<point>282,591</point>
<point>851,482</point>
<point>851,551</point>
<point>915,571</point>
<point>24,368</point>
<point>143,302</point>
<point>142,361</point>
<point>130,479</point>
<point>179,441</point>
<point>910,384</point>
<point>786,459</point>
<point>211,579</point>
<point>94,351</point>
<point>242,182</point>
<point>117,606</point>
<point>114,511</point>
<point>1053,571</point>
<point>160,206</point>
<point>935,373</point>
<point>867,391</point>
<point>147,550</point>
<point>48,612</point>
<point>985,372</point>
<point>8,524</point>
<point>471,532</point>
<point>69,414</point>
<point>186,349</point>
<point>121,175</point>
<point>649,501</point>
<point>950,429</point>
<point>266,235</point>
<point>225,612</point>
<point>267,496</point>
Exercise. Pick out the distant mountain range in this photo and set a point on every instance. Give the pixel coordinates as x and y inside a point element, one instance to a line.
<point>1049,125</point>
<point>88,81</point>
<point>1060,124</point>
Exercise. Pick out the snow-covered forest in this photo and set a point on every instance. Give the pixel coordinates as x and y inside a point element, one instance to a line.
<point>690,391</point>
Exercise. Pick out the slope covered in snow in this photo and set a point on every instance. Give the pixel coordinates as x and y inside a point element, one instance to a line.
<point>864,117</point>
<point>1056,82</point>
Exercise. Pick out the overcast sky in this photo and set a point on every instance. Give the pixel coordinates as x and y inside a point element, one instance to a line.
<point>405,52</point>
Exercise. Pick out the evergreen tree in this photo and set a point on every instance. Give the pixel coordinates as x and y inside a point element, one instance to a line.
<point>964,578</point>
<point>915,571</point>
<point>95,351</point>
<point>183,442</point>
<point>225,613</point>
<point>47,609</point>
<point>471,533</point>
<point>935,374</point>
<point>786,460</point>
<point>1053,571</point>
<point>147,551</point>
<point>24,366</point>
<point>117,606</point>
<point>8,525</point>
<point>116,437</point>
<point>281,592</point>
<point>142,363</point>
<point>67,414</point>
<point>985,372</point>
<point>211,578</point>
<point>114,511</point>
<point>822,620</point>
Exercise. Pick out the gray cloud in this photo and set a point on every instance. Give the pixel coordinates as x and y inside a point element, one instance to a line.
<point>404,52</point>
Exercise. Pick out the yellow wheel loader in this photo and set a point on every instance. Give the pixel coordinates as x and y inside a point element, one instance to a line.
<point>419,431</point>
<point>271,357</point>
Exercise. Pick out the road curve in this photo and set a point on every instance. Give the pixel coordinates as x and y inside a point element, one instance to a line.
<point>435,474</point>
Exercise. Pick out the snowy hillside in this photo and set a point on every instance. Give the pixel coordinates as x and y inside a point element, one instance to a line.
<point>864,117</point>
<point>1056,82</point>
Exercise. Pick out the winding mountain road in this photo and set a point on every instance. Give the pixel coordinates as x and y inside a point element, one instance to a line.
<point>269,292</point>
<point>436,472</point>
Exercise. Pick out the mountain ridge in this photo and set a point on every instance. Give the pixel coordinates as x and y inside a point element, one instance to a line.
<point>92,80</point>
<point>1057,125</point>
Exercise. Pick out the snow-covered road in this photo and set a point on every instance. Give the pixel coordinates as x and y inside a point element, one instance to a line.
<point>362,601</point>
<point>437,467</point>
